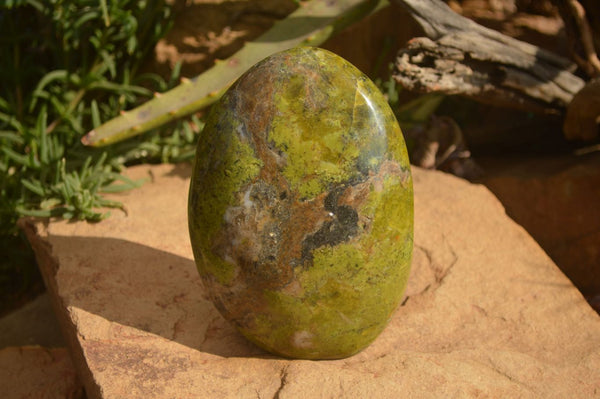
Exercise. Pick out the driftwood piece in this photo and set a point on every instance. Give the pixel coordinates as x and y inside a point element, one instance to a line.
<point>462,57</point>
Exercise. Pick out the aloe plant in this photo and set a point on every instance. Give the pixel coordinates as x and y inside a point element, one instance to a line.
<point>311,24</point>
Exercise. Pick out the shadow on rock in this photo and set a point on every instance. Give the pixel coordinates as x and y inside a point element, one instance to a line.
<point>150,290</point>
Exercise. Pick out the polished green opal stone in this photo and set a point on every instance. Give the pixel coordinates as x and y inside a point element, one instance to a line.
<point>301,206</point>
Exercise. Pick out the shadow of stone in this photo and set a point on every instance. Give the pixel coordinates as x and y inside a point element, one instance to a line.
<point>148,289</point>
<point>182,170</point>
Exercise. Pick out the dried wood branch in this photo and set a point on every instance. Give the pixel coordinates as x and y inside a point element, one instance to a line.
<point>462,57</point>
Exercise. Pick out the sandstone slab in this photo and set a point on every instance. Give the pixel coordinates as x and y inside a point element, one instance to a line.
<point>556,199</point>
<point>486,313</point>
<point>34,372</point>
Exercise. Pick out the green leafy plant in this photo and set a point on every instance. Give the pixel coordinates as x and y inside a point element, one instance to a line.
<point>67,65</point>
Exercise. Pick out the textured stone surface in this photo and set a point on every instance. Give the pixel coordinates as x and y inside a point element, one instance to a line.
<point>557,199</point>
<point>33,372</point>
<point>301,206</point>
<point>487,313</point>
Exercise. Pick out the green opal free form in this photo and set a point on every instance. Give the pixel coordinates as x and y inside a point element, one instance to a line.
<point>301,206</point>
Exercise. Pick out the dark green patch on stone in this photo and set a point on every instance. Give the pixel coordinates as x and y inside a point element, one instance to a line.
<point>342,226</point>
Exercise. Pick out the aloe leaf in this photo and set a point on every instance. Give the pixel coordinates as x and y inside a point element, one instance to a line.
<point>311,24</point>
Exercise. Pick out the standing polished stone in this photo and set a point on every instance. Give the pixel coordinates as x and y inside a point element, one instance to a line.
<point>301,206</point>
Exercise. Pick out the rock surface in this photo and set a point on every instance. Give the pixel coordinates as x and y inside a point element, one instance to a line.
<point>556,199</point>
<point>487,313</point>
<point>38,373</point>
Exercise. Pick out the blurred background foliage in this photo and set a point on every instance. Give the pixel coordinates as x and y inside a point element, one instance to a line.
<point>67,66</point>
